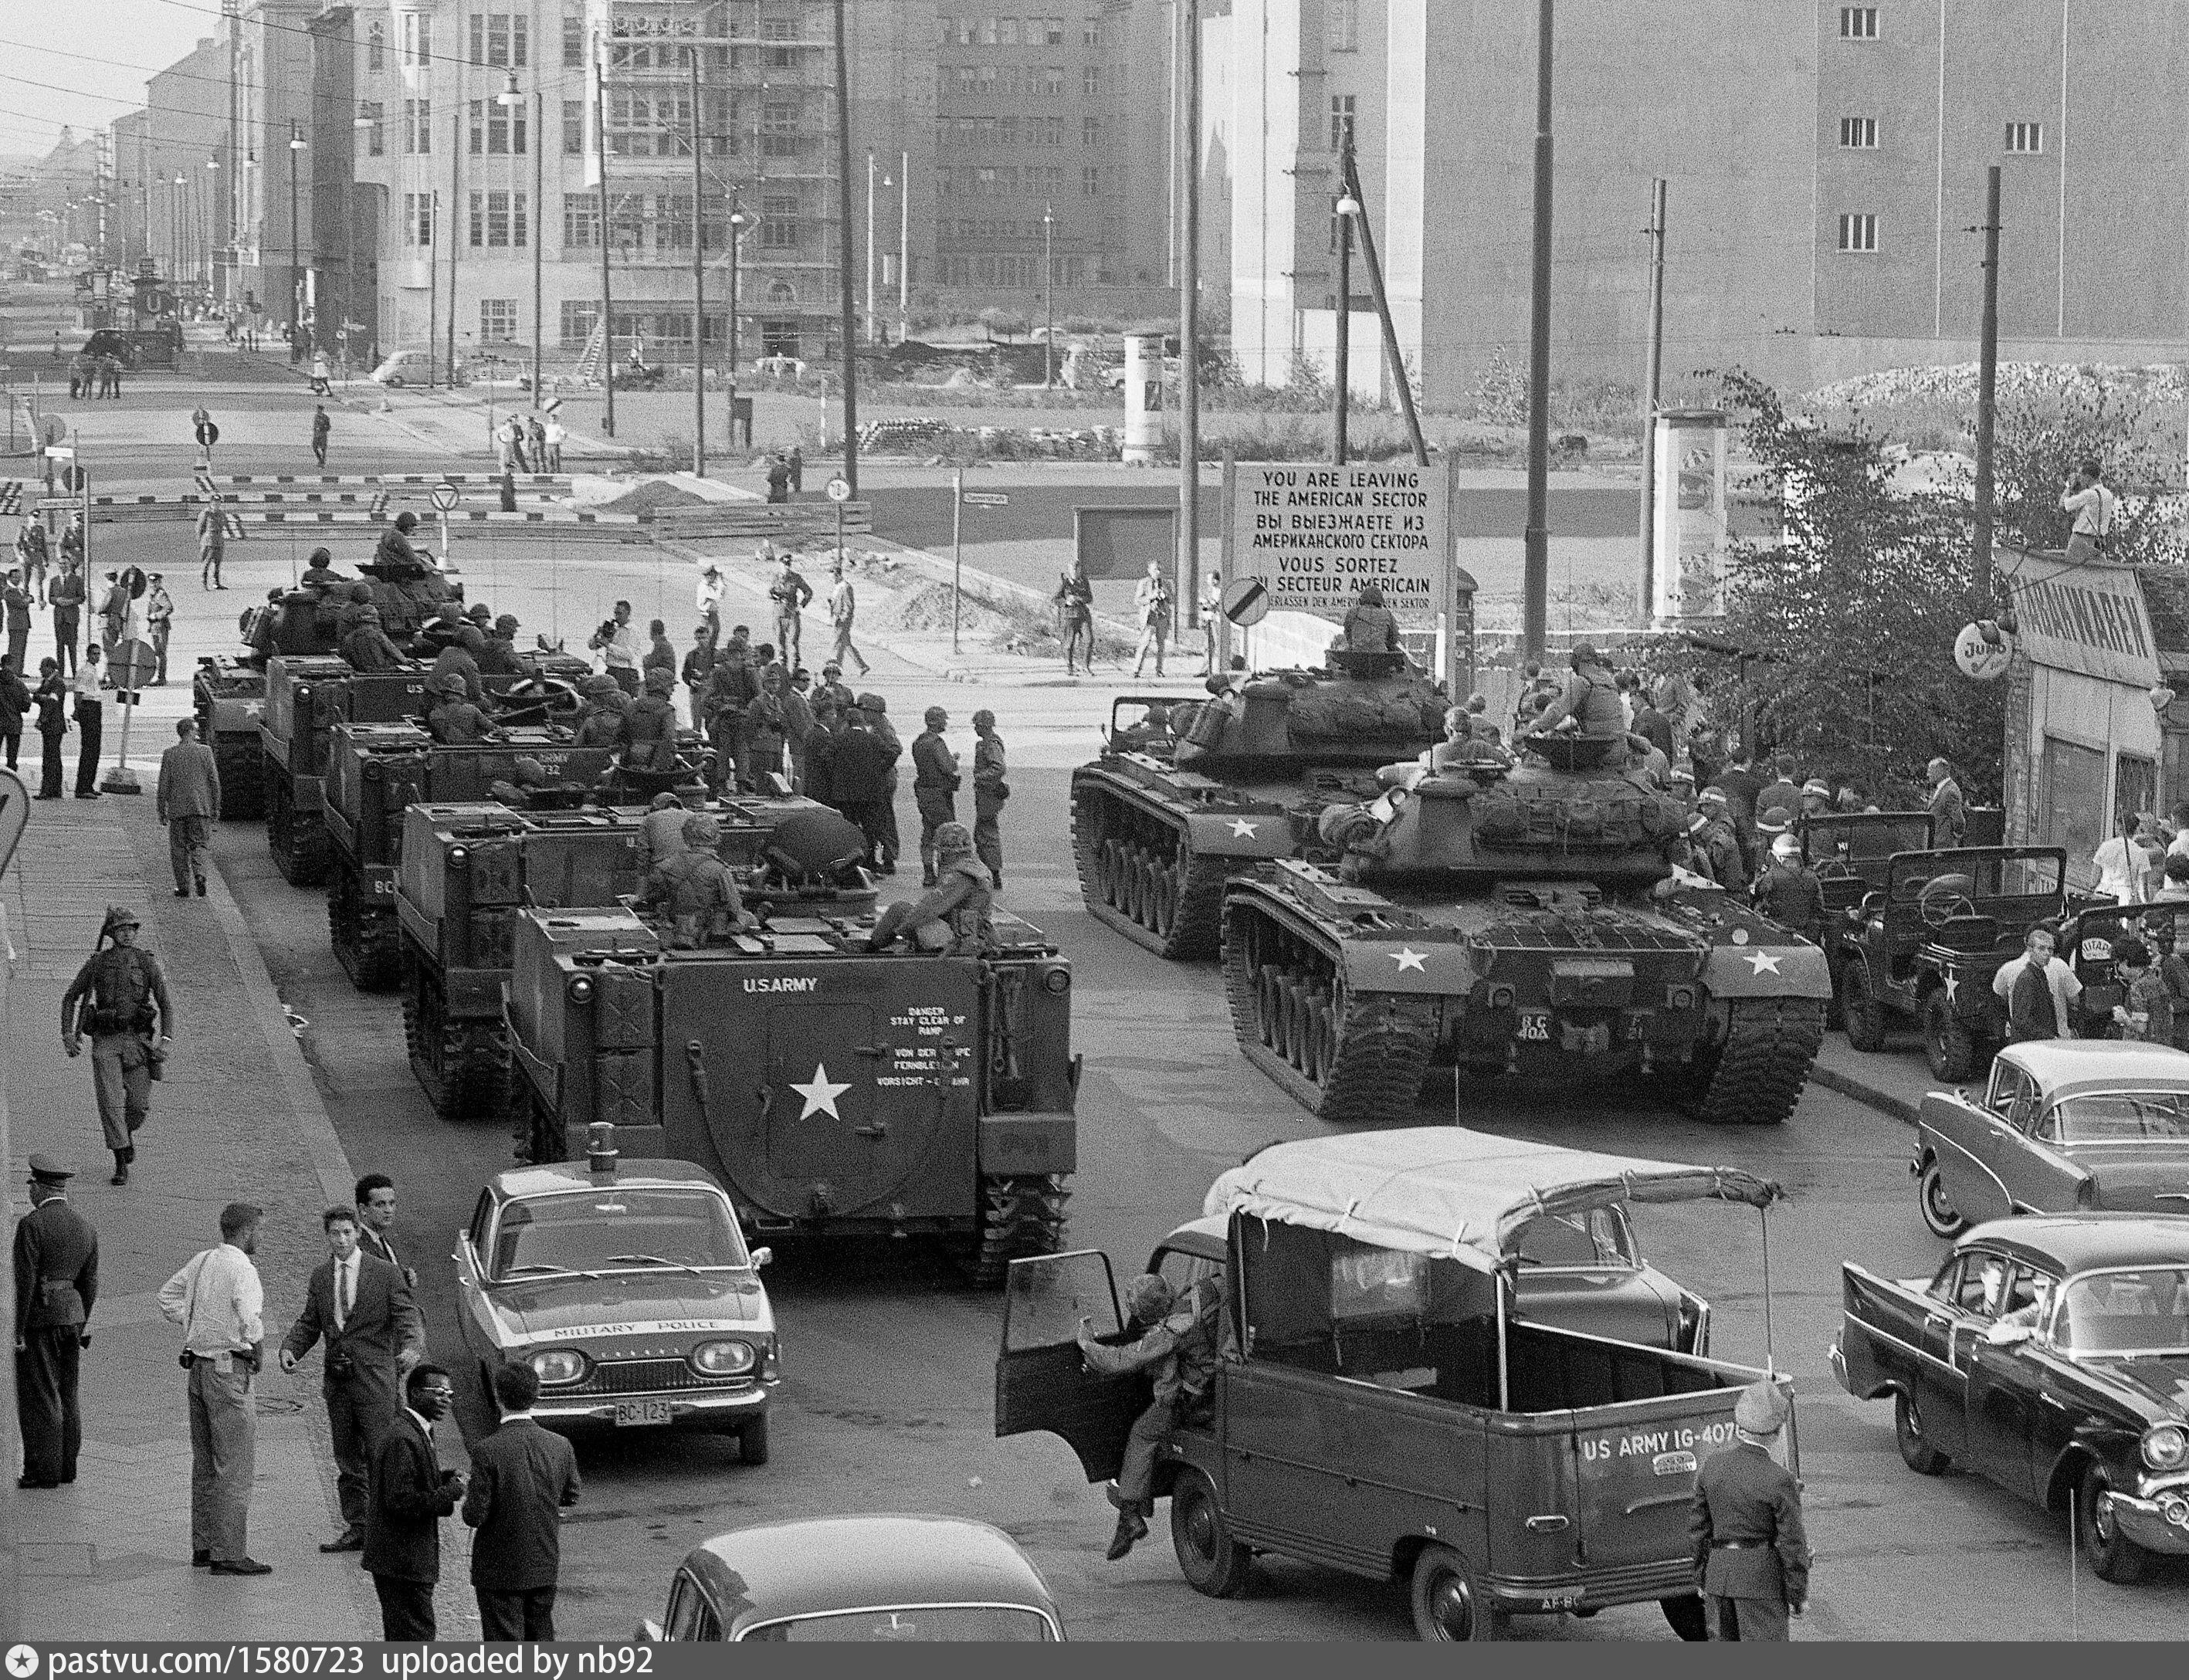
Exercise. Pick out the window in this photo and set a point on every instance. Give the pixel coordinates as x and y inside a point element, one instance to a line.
<point>779,228</point>
<point>1007,31</point>
<point>779,131</point>
<point>1052,33</point>
<point>1857,23</point>
<point>499,39</point>
<point>581,222</point>
<point>1052,80</point>
<point>418,218</point>
<point>984,81</point>
<point>672,222</point>
<point>574,43</point>
<point>782,291</point>
<point>417,39</point>
<point>1051,181</point>
<point>1859,232</point>
<point>497,319</point>
<point>1090,131</point>
<point>376,135</point>
<point>965,27</point>
<point>1344,18</point>
<point>577,324</point>
<point>1091,33</point>
<point>1091,82</point>
<point>498,219</point>
<point>1341,119</point>
<point>2071,803</point>
<point>498,129</point>
<point>1858,133</point>
<point>418,126</point>
<point>376,49</point>
<point>1091,181</point>
<point>2025,137</point>
<point>574,128</point>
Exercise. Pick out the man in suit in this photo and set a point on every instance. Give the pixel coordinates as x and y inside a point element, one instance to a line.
<point>1751,1557</point>
<point>410,1495</point>
<point>376,1218</point>
<point>56,1282</point>
<point>374,1333</point>
<point>189,805</point>
<point>522,1476</point>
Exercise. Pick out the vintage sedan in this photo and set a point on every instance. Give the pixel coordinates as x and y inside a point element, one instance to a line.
<point>2051,1355</point>
<point>2064,1125</point>
<point>628,1289</point>
<point>883,1580</point>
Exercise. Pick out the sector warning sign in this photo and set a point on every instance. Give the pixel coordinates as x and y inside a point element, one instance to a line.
<point>1314,534</point>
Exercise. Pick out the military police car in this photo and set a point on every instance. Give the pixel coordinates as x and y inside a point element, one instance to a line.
<point>627,1286</point>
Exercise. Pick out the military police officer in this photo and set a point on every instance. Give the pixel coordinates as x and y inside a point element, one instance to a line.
<point>1789,893</point>
<point>56,1285</point>
<point>1717,842</point>
<point>1751,1557</point>
<point>120,997</point>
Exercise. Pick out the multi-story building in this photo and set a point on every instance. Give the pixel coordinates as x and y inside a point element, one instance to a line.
<point>169,195</point>
<point>278,120</point>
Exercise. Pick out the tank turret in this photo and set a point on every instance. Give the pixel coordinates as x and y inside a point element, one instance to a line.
<point>1365,709</point>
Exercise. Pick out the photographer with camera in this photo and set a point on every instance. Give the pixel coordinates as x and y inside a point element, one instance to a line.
<point>361,1307</point>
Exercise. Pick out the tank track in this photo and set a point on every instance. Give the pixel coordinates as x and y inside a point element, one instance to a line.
<point>1020,1217</point>
<point>1756,1076</point>
<point>241,762</point>
<point>478,1085</point>
<point>299,841</point>
<point>1350,1061</point>
<point>1169,901</point>
<point>367,942</point>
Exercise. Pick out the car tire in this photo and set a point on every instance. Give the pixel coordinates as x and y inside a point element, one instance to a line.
<point>1687,1617</point>
<point>1948,1044</point>
<point>2114,1556</point>
<point>1916,1451</point>
<point>1859,1006</point>
<point>1938,1213</point>
<point>1209,1558</point>
<point>752,1440</point>
<point>1448,1602</point>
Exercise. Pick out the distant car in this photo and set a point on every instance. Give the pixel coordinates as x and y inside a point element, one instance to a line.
<point>879,1580</point>
<point>2064,1126</point>
<point>780,367</point>
<point>109,341</point>
<point>2046,1355</point>
<point>629,1292</point>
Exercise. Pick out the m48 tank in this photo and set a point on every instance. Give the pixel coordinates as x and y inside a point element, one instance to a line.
<point>468,869</point>
<point>836,1092</point>
<point>1526,923</point>
<point>1195,792</point>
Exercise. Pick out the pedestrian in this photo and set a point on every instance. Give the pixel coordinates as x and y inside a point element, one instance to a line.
<point>778,479</point>
<point>361,1307</point>
<point>557,434</point>
<point>2091,508</point>
<point>1178,1345</point>
<point>797,724</point>
<point>321,426</point>
<point>89,712</point>
<point>213,542</point>
<point>860,763</point>
<point>219,1301</point>
<point>67,597</point>
<point>796,462</point>
<point>14,707</point>
<point>321,387</point>
<point>16,599</point>
<point>934,780</point>
<point>2039,989</point>
<point>114,377</point>
<point>617,644</point>
<point>512,446</point>
<point>2125,861</point>
<point>1212,614</point>
<point>36,558</point>
<point>708,596</point>
<point>1782,793</point>
<point>660,653</point>
<point>521,1477</point>
<point>189,805</point>
<point>1074,600</point>
<point>990,790</point>
<point>375,1196</point>
<point>160,619</point>
<point>410,1495</point>
<point>536,436</point>
<point>843,609</point>
<point>120,997</point>
<point>56,1259</point>
<point>791,595</point>
<point>1750,1555</point>
<point>51,698</point>
<point>1152,596</point>
<point>698,670</point>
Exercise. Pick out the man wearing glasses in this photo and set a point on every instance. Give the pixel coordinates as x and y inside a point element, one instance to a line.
<point>410,1495</point>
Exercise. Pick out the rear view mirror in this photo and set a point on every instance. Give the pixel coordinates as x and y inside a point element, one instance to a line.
<point>761,1257</point>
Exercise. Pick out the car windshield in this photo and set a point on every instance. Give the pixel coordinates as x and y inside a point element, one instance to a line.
<point>913,1625</point>
<point>2141,1309</point>
<point>2119,1116</point>
<point>1597,1237</point>
<point>613,1229</point>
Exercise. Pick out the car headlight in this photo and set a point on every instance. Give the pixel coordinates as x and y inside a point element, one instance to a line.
<point>558,1365</point>
<point>722,1358</point>
<point>2166,1447</point>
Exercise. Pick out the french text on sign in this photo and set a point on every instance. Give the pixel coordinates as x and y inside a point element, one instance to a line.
<point>1314,534</point>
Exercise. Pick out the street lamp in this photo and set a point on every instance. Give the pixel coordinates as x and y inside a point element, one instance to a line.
<point>736,227</point>
<point>182,234</point>
<point>213,199</point>
<point>1048,297</point>
<point>296,272</point>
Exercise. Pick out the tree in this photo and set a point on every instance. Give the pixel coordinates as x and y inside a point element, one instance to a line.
<point>2042,439</point>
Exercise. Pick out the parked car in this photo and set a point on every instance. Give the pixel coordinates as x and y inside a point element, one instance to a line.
<point>886,1580</point>
<point>402,367</point>
<point>2063,1125</point>
<point>628,1289</point>
<point>2048,1355</point>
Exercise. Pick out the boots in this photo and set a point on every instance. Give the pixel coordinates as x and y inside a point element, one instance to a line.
<point>927,876</point>
<point>122,1159</point>
<point>1132,1524</point>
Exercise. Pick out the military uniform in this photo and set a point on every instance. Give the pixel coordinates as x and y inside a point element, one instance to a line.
<point>1721,850</point>
<point>696,889</point>
<point>934,791</point>
<point>56,1258</point>
<point>650,726</point>
<point>990,790</point>
<point>791,595</point>
<point>1790,895</point>
<point>1179,1348</point>
<point>953,919</point>
<point>1751,1554</point>
<point>117,997</point>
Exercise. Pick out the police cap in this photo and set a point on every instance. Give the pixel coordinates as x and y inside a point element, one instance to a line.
<point>47,1171</point>
<point>1760,1409</point>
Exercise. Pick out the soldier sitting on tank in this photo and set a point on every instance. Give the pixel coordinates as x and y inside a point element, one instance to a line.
<point>499,656</point>
<point>662,829</point>
<point>320,574</point>
<point>696,889</point>
<point>1153,730</point>
<point>952,919</point>
<point>605,720</point>
<point>459,660</point>
<point>454,720</point>
<point>650,727</point>
<point>396,558</point>
<point>367,647</point>
<point>1370,627</point>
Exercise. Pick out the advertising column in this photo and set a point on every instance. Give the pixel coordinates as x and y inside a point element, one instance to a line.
<point>1143,400</point>
<point>1689,478</point>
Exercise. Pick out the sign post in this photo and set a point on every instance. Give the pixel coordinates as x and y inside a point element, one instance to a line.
<point>840,492</point>
<point>446,497</point>
<point>957,549</point>
<point>133,666</point>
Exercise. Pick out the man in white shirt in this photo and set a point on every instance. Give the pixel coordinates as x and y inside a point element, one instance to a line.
<point>2092,505</point>
<point>709,596</point>
<point>617,642</point>
<point>2042,1009</point>
<point>2123,861</point>
<point>219,1301</point>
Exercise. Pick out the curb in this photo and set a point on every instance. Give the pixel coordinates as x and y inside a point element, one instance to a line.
<point>1833,1079</point>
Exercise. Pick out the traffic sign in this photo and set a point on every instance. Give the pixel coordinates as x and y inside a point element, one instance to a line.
<point>839,489</point>
<point>208,434</point>
<point>987,499</point>
<point>1245,600</point>
<point>60,451</point>
<point>446,495</point>
<point>75,478</point>
<point>134,664</point>
<point>133,582</point>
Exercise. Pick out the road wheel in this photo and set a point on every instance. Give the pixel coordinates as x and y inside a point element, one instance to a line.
<point>1859,1004</point>
<point>1265,1007</point>
<point>1208,1558</point>
<point>1938,1213</point>
<point>2113,1555</point>
<point>1951,1050</point>
<point>1447,1603</point>
<point>1916,1451</point>
<point>1108,872</point>
<point>1162,897</point>
<point>1687,1617</point>
<point>752,1440</point>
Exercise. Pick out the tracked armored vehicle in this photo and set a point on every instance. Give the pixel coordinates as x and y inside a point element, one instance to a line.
<point>1524,923</point>
<point>1196,792</point>
<point>468,869</point>
<point>834,1092</point>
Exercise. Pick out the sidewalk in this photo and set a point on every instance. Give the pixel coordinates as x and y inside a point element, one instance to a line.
<point>1893,1081</point>
<point>236,1118</point>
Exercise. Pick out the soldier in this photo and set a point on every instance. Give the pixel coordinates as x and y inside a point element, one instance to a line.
<point>604,720</point>
<point>650,728</point>
<point>1789,893</point>
<point>366,645</point>
<point>953,919</point>
<point>56,1285</point>
<point>767,728</point>
<point>1816,798</point>
<point>990,790</point>
<point>188,805</point>
<point>934,786</point>
<point>1179,1347</point>
<point>1949,817</point>
<point>662,829</point>
<point>791,595</point>
<point>1751,1557</point>
<point>1152,596</point>
<point>454,720</point>
<point>499,656</point>
<point>731,688</point>
<point>1075,615</point>
<point>1370,627</point>
<point>395,556</point>
<point>459,658</point>
<point>833,691</point>
<point>212,542</point>
<point>159,618</point>
<point>120,995</point>
<point>698,889</point>
<point>1591,700</point>
<point>874,711</point>
<point>843,609</point>
<point>1717,842</point>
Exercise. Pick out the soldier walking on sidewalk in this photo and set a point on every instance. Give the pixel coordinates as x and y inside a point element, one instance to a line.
<point>56,1285</point>
<point>120,997</point>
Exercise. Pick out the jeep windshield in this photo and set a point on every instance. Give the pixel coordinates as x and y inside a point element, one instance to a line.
<point>1995,880</point>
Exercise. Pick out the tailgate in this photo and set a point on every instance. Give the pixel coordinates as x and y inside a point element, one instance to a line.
<point>1635,1467</point>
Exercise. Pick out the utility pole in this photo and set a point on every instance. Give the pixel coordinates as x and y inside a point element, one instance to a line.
<point>539,239</point>
<point>872,255</point>
<point>1987,391</point>
<point>1653,368</point>
<point>737,220</point>
<point>1535,575</point>
<point>1342,360</point>
<point>845,255</point>
<point>1048,298</point>
<point>231,13</point>
<point>699,286</point>
<point>1189,331</point>
<point>904,246</point>
<point>608,320</point>
<point>295,268</point>
<point>1351,186</point>
<point>456,230</point>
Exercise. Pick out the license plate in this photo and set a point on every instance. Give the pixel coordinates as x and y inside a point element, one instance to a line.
<point>632,1412</point>
<point>1535,1027</point>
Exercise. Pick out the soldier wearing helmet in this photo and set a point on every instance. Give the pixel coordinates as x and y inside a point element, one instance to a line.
<point>366,645</point>
<point>454,718</point>
<point>1592,701</point>
<point>1178,1345</point>
<point>1789,893</point>
<point>951,918</point>
<point>460,656</point>
<point>650,727</point>
<point>120,997</point>
<point>697,890</point>
<point>1750,1553</point>
<point>397,558</point>
<point>1370,627</point>
<point>605,720</point>
<point>1715,841</point>
<point>934,780</point>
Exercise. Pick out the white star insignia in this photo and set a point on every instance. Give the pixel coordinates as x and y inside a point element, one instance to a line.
<point>1763,962</point>
<point>1242,829</point>
<point>1407,957</point>
<point>1953,984</point>
<point>820,1092</point>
